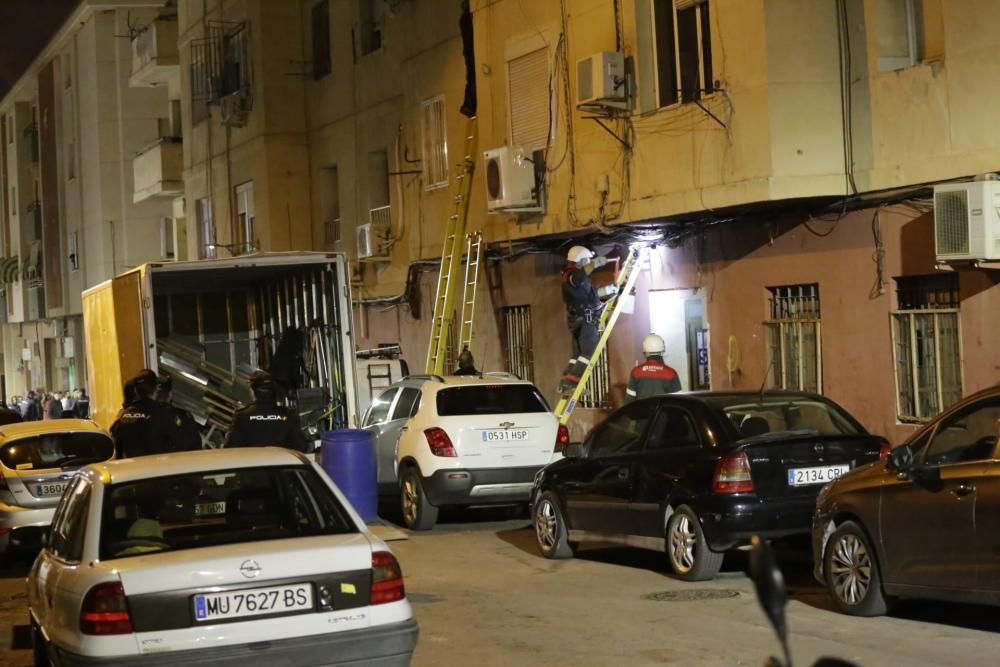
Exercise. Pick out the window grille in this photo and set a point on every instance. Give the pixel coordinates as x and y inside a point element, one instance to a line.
<point>519,341</point>
<point>435,143</point>
<point>597,394</point>
<point>794,342</point>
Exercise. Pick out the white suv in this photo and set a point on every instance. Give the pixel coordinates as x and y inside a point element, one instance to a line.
<point>461,441</point>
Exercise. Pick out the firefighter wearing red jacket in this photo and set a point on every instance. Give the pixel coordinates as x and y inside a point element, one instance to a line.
<point>652,377</point>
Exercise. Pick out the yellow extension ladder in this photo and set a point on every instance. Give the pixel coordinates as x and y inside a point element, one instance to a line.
<point>628,273</point>
<point>451,255</point>
<point>473,254</point>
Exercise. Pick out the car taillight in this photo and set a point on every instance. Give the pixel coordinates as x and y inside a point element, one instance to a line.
<point>732,474</point>
<point>105,611</point>
<point>387,579</point>
<point>439,442</point>
<point>562,438</point>
<point>884,449</point>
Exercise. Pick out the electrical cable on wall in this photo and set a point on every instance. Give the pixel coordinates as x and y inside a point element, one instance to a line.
<point>878,256</point>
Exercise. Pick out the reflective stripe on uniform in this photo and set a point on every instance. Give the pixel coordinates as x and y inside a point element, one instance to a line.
<point>630,392</point>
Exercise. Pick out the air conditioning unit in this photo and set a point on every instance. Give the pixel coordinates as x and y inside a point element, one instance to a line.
<point>601,81</point>
<point>967,221</point>
<point>371,244</point>
<point>510,181</point>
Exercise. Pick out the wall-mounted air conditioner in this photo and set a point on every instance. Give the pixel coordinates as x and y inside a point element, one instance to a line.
<point>510,180</point>
<point>371,244</point>
<point>601,81</point>
<point>967,221</point>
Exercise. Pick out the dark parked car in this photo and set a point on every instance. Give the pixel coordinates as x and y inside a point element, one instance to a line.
<point>924,524</point>
<point>698,474</point>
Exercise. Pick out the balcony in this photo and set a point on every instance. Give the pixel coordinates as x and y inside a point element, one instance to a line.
<point>154,55</point>
<point>158,170</point>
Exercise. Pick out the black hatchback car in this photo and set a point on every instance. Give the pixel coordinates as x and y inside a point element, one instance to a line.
<point>698,474</point>
<point>925,524</point>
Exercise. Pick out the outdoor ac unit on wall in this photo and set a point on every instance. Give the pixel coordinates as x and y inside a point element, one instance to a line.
<point>601,81</point>
<point>371,245</point>
<point>967,221</point>
<point>510,181</point>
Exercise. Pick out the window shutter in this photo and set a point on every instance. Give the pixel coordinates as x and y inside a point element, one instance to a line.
<point>528,82</point>
<point>435,147</point>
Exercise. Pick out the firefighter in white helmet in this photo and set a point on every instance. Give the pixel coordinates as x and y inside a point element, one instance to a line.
<point>583,310</point>
<point>652,376</point>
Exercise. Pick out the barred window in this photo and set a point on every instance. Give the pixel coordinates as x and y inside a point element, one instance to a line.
<point>793,338</point>
<point>926,346</point>
<point>518,339</point>
<point>435,143</point>
<point>597,394</point>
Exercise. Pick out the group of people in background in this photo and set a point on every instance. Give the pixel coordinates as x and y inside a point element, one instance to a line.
<point>39,404</point>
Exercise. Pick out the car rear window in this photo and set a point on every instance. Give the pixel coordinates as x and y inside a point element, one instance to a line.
<point>217,508</point>
<point>490,399</point>
<point>57,450</point>
<point>755,417</point>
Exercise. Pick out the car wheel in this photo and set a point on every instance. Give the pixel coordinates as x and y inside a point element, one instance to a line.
<point>39,647</point>
<point>851,573</point>
<point>418,513</point>
<point>551,531</point>
<point>687,550</point>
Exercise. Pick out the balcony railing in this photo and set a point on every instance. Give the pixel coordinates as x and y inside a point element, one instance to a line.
<point>154,54</point>
<point>158,170</point>
<point>381,220</point>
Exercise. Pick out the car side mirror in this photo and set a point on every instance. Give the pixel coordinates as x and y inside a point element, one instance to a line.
<point>574,450</point>
<point>901,459</point>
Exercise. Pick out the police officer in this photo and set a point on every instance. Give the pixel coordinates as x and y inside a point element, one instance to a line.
<point>583,310</point>
<point>652,377</point>
<point>466,364</point>
<point>187,433</point>
<point>143,427</point>
<point>264,422</point>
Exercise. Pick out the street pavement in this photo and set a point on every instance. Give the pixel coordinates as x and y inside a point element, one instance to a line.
<point>483,596</point>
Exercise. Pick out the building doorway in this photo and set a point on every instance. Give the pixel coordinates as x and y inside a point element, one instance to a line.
<point>679,317</point>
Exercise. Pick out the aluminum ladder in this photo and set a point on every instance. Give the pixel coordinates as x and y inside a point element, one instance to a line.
<point>625,280</point>
<point>444,299</point>
<point>473,254</point>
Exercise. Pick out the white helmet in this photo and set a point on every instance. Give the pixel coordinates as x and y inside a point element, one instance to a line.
<point>653,344</point>
<point>578,254</point>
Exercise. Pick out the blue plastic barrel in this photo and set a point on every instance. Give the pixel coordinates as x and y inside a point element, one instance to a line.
<point>348,457</point>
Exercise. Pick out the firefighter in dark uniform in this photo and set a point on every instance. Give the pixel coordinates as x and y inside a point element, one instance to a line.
<point>652,377</point>
<point>466,364</point>
<point>583,310</point>
<point>186,429</point>
<point>143,427</point>
<point>264,422</point>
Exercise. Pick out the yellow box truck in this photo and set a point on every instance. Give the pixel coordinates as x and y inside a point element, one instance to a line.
<point>210,323</point>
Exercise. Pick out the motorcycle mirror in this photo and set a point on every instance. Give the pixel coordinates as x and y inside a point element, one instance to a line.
<point>770,586</point>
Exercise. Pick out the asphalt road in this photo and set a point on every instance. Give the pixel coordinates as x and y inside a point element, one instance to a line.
<point>483,596</point>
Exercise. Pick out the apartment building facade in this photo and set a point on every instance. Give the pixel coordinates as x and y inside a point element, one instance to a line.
<point>71,126</point>
<point>775,156</point>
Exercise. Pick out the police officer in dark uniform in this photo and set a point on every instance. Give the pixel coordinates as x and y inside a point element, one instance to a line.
<point>466,364</point>
<point>583,310</point>
<point>264,422</point>
<point>143,427</point>
<point>187,433</point>
<point>652,377</point>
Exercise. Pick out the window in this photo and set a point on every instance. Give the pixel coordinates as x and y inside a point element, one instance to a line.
<point>74,251</point>
<point>926,346</point>
<point>321,39</point>
<point>378,193</point>
<point>528,94</point>
<point>597,395</point>
<point>201,86</point>
<point>368,35</point>
<point>216,508</point>
<point>330,202</point>
<point>778,414</point>
<point>379,410</point>
<point>435,143</point>
<point>406,405</point>
<point>673,428</point>
<point>908,32</point>
<point>968,435</point>
<point>70,524</point>
<point>621,432</point>
<point>519,341</point>
<point>245,218</point>
<point>496,399</point>
<point>683,50</point>
<point>793,339</point>
<point>206,227</point>
<point>167,238</point>
<point>48,452</point>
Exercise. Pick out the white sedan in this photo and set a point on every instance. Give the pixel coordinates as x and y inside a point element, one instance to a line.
<point>222,557</point>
